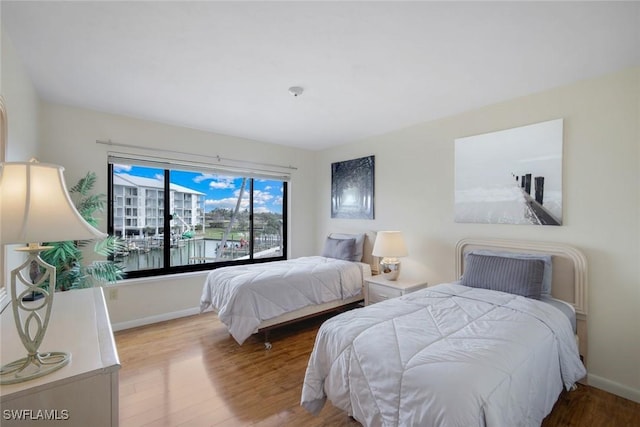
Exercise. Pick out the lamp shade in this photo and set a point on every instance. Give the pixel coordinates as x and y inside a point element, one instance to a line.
<point>389,244</point>
<point>36,207</point>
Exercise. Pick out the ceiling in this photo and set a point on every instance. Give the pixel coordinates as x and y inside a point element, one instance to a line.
<point>367,68</point>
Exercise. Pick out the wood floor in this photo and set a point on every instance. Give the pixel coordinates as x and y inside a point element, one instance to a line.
<point>190,372</point>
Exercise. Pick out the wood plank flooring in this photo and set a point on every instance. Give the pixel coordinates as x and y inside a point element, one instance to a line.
<point>190,372</point>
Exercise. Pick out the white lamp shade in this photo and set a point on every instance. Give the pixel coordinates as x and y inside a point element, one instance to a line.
<point>35,206</point>
<point>389,244</point>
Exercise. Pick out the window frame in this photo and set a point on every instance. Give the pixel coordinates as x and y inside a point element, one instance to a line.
<point>167,268</point>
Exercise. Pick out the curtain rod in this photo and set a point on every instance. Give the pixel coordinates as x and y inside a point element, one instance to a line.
<point>218,158</point>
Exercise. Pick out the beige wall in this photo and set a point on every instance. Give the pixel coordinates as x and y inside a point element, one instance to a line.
<point>22,109</point>
<point>69,138</point>
<point>415,194</point>
<point>22,104</point>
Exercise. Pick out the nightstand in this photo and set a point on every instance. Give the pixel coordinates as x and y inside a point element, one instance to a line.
<point>379,289</point>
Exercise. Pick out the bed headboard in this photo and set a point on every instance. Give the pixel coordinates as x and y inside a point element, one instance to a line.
<point>569,281</point>
<point>367,249</point>
<point>374,262</point>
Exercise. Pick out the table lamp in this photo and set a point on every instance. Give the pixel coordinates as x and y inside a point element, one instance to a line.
<point>390,246</point>
<point>35,207</point>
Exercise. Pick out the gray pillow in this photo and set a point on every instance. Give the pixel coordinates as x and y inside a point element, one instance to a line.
<point>340,248</point>
<point>512,275</point>
<point>548,270</point>
<point>359,243</point>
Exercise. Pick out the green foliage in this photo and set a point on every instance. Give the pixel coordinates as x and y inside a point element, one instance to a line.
<point>67,256</point>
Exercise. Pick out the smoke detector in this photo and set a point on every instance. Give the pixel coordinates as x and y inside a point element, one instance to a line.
<point>296,90</point>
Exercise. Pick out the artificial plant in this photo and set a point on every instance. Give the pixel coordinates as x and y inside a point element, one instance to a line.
<point>67,256</point>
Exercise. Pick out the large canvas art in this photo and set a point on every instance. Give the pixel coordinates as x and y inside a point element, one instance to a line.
<point>512,176</point>
<point>352,188</point>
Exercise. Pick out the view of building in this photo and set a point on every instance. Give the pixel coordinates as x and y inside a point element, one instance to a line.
<point>139,206</point>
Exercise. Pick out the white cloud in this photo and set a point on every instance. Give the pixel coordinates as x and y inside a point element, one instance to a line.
<point>218,182</point>
<point>206,176</point>
<point>261,197</point>
<point>228,203</point>
<point>122,168</point>
<point>221,185</point>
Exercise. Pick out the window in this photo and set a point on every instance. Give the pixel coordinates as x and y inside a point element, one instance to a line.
<point>208,219</point>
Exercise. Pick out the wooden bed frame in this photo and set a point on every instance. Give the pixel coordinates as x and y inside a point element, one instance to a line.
<point>569,282</point>
<point>316,310</point>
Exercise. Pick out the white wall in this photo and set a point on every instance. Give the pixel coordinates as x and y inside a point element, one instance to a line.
<point>415,194</point>
<point>22,108</point>
<point>22,104</point>
<point>69,138</point>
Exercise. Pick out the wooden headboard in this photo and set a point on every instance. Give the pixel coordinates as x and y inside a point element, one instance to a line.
<point>569,281</point>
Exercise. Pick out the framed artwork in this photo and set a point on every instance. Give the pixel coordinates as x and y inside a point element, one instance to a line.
<point>352,188</point>
<point>512,176</point>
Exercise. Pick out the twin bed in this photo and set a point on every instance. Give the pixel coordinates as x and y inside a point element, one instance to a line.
<point>259,297</point>
<point>476,352</point>
<point>494,348</point>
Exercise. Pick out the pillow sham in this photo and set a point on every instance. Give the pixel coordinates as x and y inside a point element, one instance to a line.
<point>546,258</point>
<point>359,243</point>
<point>513,275</point>
<point>339,248</point>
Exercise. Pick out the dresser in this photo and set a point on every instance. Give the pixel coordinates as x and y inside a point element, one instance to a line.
<point>379,289</point>
<point>82,393</point>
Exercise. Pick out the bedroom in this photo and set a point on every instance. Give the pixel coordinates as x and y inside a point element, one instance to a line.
<point>414,187</point>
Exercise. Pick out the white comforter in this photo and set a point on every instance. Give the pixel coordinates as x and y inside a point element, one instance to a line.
<point>448,355</point>
<point>245,295</point>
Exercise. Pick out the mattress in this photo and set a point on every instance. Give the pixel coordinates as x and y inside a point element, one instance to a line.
<point>566,309</point>
<point>245,295</point>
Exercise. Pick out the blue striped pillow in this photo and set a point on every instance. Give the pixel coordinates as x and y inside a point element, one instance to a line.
<point>512,275</point>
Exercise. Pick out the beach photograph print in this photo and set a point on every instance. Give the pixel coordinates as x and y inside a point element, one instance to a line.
<point>512,176</point>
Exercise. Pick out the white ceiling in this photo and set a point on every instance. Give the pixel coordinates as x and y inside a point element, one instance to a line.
<point>367,68</point>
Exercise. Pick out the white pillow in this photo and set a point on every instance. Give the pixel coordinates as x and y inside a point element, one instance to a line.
<point>359,243</point>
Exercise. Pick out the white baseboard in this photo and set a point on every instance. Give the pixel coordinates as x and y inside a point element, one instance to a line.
<point>614,387</point>
<point>154,319</point>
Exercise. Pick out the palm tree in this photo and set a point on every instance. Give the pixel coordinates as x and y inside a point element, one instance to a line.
<point>67,256</point>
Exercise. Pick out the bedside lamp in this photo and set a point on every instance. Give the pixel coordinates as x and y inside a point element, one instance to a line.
<point>390,245</point>
<point>35,207</point>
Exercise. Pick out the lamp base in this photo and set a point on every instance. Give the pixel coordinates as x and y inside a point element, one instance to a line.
<point>390,268</point>
<point>33,366</point>
<point>33,296</point>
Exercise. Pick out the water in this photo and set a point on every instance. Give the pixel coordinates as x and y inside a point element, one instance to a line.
<point>145,255</point>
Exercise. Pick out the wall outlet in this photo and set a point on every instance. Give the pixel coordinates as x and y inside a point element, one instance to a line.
<point>113,293</point>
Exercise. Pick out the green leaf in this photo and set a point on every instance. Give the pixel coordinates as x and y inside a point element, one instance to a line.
<point>67,256</point>
<point>110,246</point>
<point>105,271</point>
<point>85,184</point>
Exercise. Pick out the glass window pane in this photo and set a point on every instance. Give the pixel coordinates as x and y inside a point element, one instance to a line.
<point>188,191</point>
<point>138,216</point>
<point>210,219</point>
<point>227,227</point>
<point>267,222</point>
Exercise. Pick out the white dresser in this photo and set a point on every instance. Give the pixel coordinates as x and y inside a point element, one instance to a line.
<point>83,393</point>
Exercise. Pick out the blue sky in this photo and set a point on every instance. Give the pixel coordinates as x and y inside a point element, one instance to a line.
<point>221,191</point>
